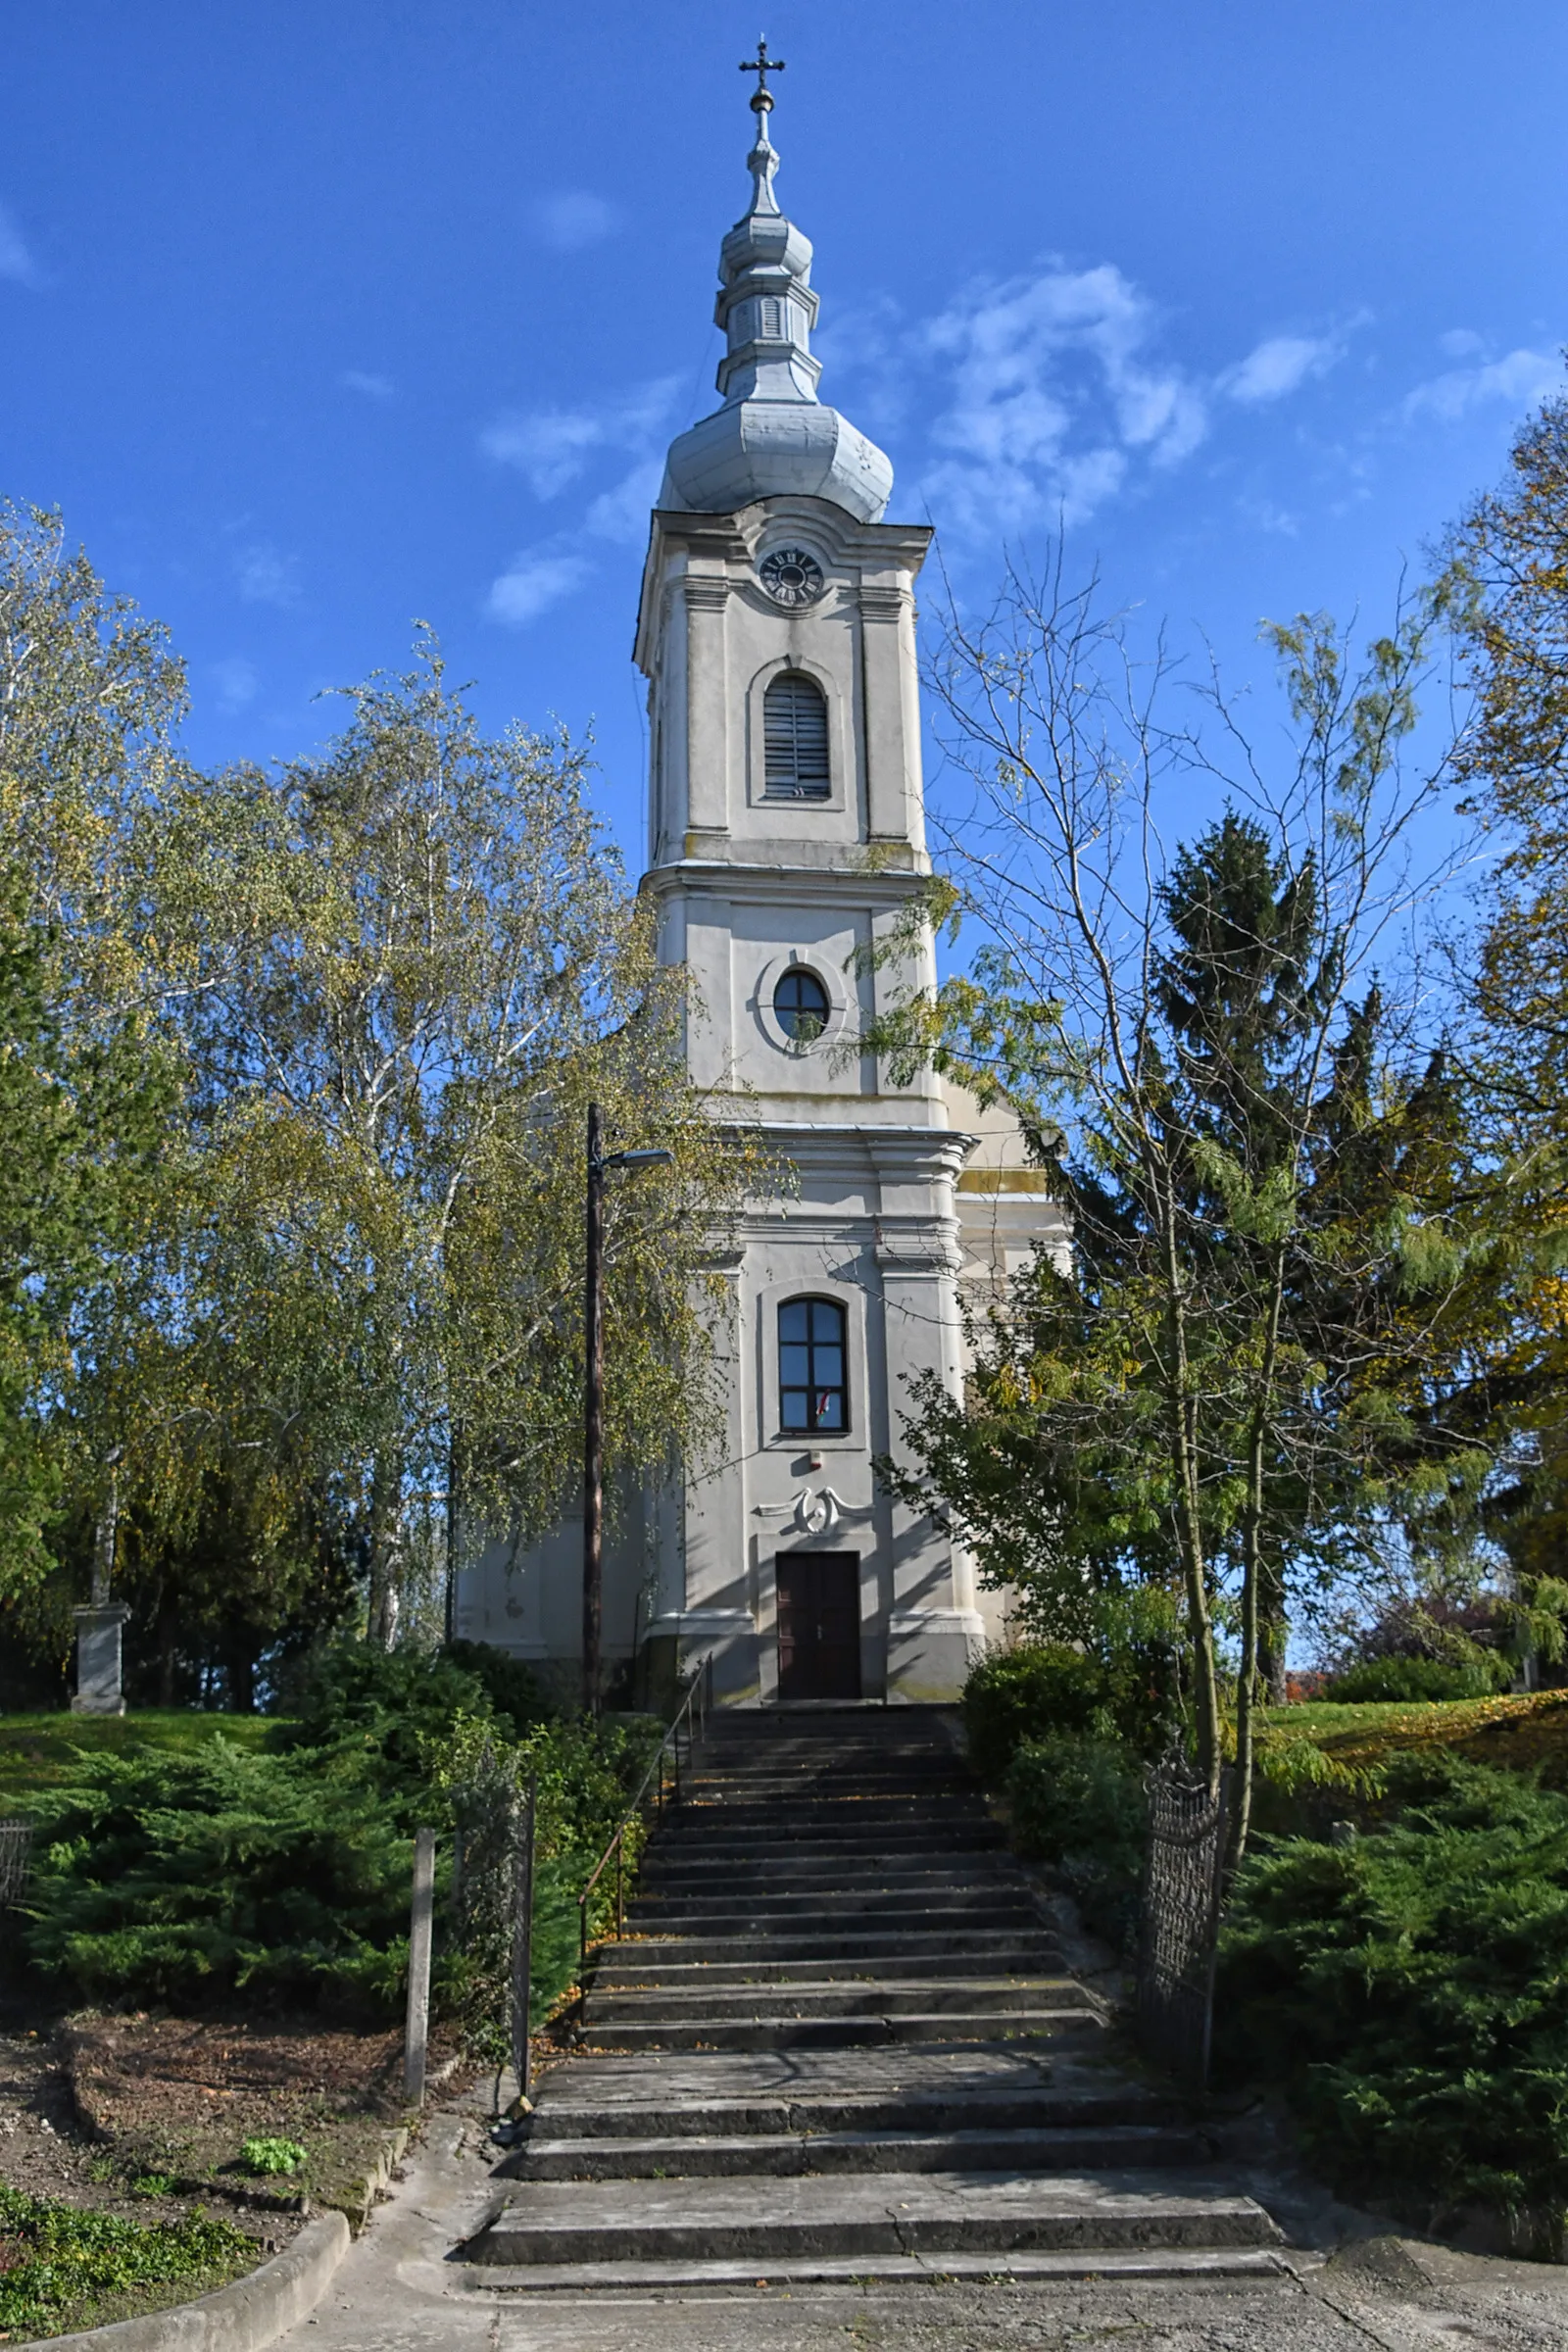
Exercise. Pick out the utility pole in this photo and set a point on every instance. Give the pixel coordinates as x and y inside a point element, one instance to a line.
<point>593,1453</point>
<point>593,1459</point>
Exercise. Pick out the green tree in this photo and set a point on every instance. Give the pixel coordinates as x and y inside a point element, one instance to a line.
<point>1513,758</point>
<point>89,694</point>
<point>409,965</point>
<point>1180,1020</point>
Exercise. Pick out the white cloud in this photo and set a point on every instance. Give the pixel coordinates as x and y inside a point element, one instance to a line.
<point>622,512</point>
<point>551,447</point>
<point>235,683</point>
<point>1461,342</point>
<point>373,387</point>
<point>262,577</point>
<point>573,218</point>
<point>1279,365</point>
<point>536,579</point>
<point>1520,378</point>
<point>15,262</point>
<point>1055,389</point>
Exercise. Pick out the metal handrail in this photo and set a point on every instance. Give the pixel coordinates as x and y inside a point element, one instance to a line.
<point>693,1708</point>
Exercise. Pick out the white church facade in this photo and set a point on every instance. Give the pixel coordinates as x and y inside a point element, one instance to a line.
<point>785,836</point>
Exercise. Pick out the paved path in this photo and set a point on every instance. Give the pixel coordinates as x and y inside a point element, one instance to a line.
<point>400,2291</point>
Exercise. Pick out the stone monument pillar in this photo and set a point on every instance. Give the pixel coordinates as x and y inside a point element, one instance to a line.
<point>99,1624</point>
<point>98,1629</point>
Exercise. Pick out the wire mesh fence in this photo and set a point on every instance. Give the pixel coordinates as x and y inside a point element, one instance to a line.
<point>16,1851</point>
<point>486,1809</point>
<point>1179,1925</point>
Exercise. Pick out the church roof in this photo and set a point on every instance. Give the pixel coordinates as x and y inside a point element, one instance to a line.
<point>773,437</point>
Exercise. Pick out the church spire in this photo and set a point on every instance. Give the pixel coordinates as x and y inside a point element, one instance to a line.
<point>763,162</point>
<point>772,436</point>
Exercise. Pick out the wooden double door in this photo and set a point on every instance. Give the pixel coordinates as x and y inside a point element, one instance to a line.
<point>818,1624</point>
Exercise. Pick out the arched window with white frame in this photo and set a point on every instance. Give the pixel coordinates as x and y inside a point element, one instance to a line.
<point>813,1394</point>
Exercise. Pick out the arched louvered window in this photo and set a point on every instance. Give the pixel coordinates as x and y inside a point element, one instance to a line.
<point>794,740</point>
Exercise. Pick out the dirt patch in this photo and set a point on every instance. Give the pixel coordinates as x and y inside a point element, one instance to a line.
<point>176,2098</point>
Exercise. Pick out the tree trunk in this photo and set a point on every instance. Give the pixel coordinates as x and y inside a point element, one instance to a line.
<point>1183,1441</point>
<point>386,1560</point>
<point>167,1636</point>
<point>1259,1580</point>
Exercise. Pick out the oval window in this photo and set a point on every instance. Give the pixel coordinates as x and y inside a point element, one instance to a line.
<point>800,1002</point>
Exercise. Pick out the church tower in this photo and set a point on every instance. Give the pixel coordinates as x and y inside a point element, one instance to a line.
<point>785,837</point>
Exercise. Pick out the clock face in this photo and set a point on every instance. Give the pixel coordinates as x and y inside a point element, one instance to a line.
<point>791,576</point>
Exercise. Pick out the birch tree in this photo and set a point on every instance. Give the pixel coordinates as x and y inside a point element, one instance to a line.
<point>409,965</point>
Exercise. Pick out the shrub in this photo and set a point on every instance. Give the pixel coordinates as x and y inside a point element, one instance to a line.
<point>1481,1676</point>
<point>189,1879</point>
<point>382,1708</point>
<point>184,1879</point>
<point>58,2261</point>
<point>510,1686</point>
<point>1080,1804</point>
<point>1411,1990</point>
<point>1048,1691</point>
<point>1038,1690</point>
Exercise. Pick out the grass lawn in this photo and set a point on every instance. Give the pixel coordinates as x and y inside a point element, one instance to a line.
<point>36,1749</point>
<point>1318,1749</point>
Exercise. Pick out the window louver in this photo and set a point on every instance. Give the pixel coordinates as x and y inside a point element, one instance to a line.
<point>794,740</point>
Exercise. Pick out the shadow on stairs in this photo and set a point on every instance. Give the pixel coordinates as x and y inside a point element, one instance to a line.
<point>837,2041</point>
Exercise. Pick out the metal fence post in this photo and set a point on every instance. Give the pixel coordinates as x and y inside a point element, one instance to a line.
<point>522,1937</point>
<point>416,2033</point>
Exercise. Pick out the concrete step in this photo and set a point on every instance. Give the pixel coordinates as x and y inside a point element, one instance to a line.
<point>921,1781</point>
<point>923,2111</point>
<point>829,1941</point>
<point>689,1915</point>
<point>830,2090</point>
<point>838,1996</point>
<point>678,1866</point>
<point>720,1933</point>
<point>873,1897</point>
<point>692,2156</point>
<point>892,2214</point>
<point>806,1808</point>
<point>780,2029</point>
<point>744,1842</point>
<point>660,2280</point>
<point>646,1964</point>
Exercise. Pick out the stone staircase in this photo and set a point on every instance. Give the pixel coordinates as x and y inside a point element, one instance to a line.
<point>837,2042</point>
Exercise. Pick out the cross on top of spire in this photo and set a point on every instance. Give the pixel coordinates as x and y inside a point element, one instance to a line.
<point>761,65</point>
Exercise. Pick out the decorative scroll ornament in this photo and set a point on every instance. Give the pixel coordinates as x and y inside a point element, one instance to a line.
<point>791,576</point>
<point>814,1514</point>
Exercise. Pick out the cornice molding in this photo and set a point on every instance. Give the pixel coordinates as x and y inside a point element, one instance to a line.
<point>765,885</point>
<point>707,591</point>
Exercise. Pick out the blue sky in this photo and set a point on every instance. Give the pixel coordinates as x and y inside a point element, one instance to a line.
<point>320,318</point>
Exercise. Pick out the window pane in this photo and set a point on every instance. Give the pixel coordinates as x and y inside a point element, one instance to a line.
<point>795,1409</point>
<point>792,1320</point>
<point>827,1321</point>
<point>794,1367</point>
<point>830,1410</point>
<point>801,1004</point>
<point>828,1367</point>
